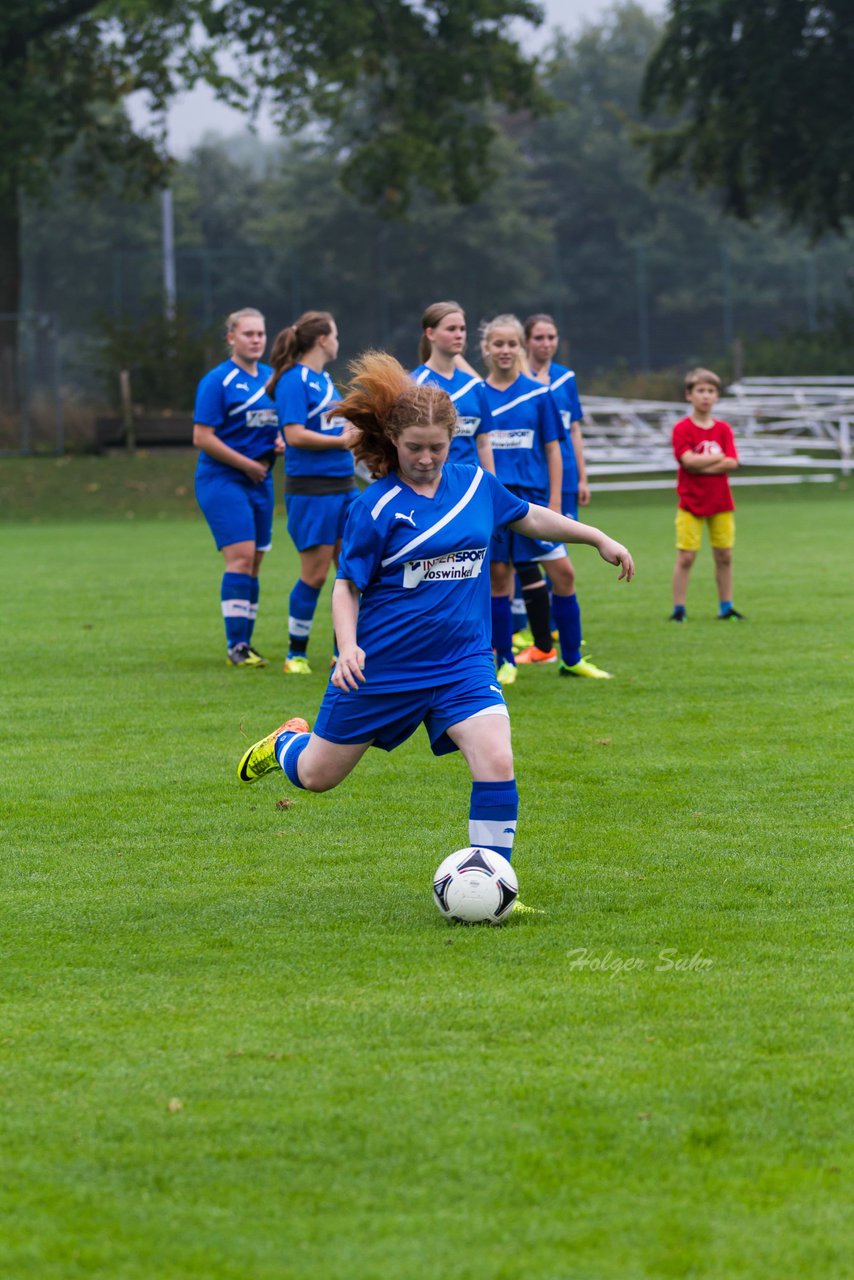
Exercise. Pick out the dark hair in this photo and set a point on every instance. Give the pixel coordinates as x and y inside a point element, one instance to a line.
<point>540,318</point>
<point>382,401</point>
<point>294,341</point>
<point>434,315</point>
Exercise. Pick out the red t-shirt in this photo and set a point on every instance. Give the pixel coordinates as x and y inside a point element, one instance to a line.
<point>703,495</point>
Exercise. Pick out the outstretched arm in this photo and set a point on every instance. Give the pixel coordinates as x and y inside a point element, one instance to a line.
<point>540,522</point>
<point>349,669</point>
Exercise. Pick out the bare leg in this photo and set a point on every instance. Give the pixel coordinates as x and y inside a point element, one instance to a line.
<point>322,765</point>
<point>681,574</point>
<point>723,571</point>
<point>485,744</point>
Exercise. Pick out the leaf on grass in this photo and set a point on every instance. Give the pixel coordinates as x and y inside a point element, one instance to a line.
<point>284,804</point>
<point>92,487</point>
<point>181,491</point>
<point>644,1115</point>
<point>174,1105</point>
<point>603,742</point>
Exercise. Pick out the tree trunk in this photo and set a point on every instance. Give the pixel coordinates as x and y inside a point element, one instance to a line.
<point>10,300</point>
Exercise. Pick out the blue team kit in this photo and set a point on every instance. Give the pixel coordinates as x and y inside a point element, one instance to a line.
<point>473,415</point>
<point>564,388</point>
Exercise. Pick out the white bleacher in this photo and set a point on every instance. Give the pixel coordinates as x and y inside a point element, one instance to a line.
<point>787,430</point>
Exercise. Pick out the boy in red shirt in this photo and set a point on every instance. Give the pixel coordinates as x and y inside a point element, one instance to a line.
<point>705,450</point>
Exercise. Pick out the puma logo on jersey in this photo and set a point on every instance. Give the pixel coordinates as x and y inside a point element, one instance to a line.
<point>241,386</point>
<point>398,515</point>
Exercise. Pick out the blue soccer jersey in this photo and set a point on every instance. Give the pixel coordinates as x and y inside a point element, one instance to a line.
<point>235,403</point>
<point>308,399</point>
<point>422,566</point>
<point>525,419</point>
<point>473,415</point>
<point>563,387</point>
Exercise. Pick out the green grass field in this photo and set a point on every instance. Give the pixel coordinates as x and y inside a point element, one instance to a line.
<point>239,1043</point>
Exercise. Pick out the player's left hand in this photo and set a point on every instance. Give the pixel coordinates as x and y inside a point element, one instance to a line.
<point>616,553</point>
<point>279,446</point>
<point>583,493</point>
<point>349,669</point>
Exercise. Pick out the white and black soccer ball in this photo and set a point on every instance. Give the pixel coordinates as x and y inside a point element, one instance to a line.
<point>475,885</point>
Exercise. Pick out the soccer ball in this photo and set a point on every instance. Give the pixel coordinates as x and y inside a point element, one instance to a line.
<point>474,885</point>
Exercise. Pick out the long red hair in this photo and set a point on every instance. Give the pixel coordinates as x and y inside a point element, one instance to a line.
<point>382,401</point>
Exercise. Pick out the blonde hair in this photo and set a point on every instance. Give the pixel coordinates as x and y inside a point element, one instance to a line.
<point>693,376</point>
<point>297,340</point>
<point>382,401</point>
<point>506,321</point>
<point>433,316</point>
<point>232,321</point>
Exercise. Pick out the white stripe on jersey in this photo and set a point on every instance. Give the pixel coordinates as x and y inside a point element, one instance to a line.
<point>570,373</point>
<point>246,403</point>
<point>440,524</point>
<point>422,377</point>
<point>473,382</point>
<point>539,391</point>
<point>304,374</point>
<point>230,377</point>
<point>387,497</point>
<point>330,391</point>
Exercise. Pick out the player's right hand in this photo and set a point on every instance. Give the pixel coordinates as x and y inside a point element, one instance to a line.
<point>256,471</point>
<point>616,553</point>
<point>349,669</point>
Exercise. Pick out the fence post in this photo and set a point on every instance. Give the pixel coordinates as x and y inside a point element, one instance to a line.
<point>127,412</point>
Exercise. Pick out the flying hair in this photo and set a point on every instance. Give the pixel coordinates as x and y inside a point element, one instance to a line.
<point>434,315</point>
<point>297,340</point>
<point>382,401</point>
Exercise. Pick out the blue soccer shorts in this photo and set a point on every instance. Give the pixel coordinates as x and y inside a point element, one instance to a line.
<point>388,718</point>
<point>317,520</point>
<point>236,509</point>
<point>508,547</point>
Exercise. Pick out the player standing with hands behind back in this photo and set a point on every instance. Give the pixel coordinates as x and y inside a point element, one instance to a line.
<point>705,450</point>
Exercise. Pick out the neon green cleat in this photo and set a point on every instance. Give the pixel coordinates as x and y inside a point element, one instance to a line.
<point>243,655</point>
<point>297,666</point>
<point>520,908</point>
<point>585,668</point>
<point>506,674</point>
<point>261,756</point>
<point>522,640</point>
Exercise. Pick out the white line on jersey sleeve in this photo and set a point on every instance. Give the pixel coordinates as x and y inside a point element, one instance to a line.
<point>529,395</point>
<point>558,382</point>
<point>440,524</point>
<point>422,377</point>
<point>387,497</point>
<point>330,391</point>
<point>473,382</point>
<point>230,377</point>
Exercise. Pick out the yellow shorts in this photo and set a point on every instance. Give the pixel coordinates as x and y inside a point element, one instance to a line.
<point>689,530</point>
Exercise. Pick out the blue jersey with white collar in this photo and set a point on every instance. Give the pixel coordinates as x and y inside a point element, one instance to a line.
<point>422,567</point>
<point>473,415</point>
<point>235,403</point>
<point>563,387</point>
<point>308,399</point>
<point>524,420</point>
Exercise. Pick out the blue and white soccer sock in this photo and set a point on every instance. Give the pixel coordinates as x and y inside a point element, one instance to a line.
<point>502,630</point>
<point>253,607</point>
<point>236,595</point>
<point>567,616</point>
<point>303,602</point>
<point>493,814</point>
<point>517,606</point>
<point>289,748</point>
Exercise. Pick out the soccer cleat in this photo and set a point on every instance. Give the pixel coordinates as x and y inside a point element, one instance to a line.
<point>533,654</point>
<point>731,613</point>
<point>243,655</point>
<point>520,908</point>
<point>585,667</point>
<point>297,665</point>
<point>506,673</point>
<point>261,756</point>
<point>522,640</point>
<point>678,617</point>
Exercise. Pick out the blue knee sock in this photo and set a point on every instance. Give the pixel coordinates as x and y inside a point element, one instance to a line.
<point>236,594</point>
<point>302,605</point>
<point>568,622</point>
<point>289,748</point>
<point>492,816</point>
<point>724,606</point>
<point>253,605</point>
<point>502,629</point>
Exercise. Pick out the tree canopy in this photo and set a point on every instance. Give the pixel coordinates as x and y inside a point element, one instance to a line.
<point>763,93</point>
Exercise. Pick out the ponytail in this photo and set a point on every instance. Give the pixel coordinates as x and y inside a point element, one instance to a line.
<point>297,340</point>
